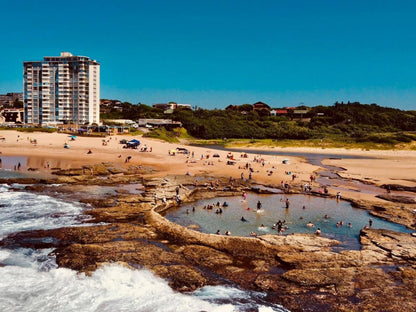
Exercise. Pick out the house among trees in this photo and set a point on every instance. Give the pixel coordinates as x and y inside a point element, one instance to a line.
<point>259,106</point>
<point>278,112</point>
<point>107,106</point>
<point>168,108</point>
<point>300,113</point>
<point>11,99</point>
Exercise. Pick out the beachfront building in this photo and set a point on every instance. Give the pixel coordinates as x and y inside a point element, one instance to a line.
<point>61,89</point>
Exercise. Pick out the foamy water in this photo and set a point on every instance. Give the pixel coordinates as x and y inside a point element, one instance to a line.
<point>21,211</point>
<point>31,281</point>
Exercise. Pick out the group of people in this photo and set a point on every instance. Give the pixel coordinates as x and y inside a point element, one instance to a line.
<point>228,233</point>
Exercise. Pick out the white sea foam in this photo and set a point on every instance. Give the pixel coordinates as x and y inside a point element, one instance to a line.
<point>111,288</point>
<point>21,211</point>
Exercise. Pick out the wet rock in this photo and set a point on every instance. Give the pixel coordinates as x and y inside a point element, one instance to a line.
<point>181,277</point>
<point>205,256</point>
<point>398,187</point>
<point>397,198</point>
<point>399,246</point>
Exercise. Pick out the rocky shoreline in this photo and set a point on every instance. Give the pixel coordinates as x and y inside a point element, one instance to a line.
<point>299,271</point>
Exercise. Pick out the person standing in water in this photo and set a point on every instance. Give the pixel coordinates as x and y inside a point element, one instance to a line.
<point>244,196</point>
<point>287,203</point>
<point>258,205</point>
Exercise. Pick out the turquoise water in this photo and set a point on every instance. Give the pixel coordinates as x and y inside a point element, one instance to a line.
<point>273,209</point>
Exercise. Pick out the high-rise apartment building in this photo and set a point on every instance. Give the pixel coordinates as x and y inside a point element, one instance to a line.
<point>62,90</point>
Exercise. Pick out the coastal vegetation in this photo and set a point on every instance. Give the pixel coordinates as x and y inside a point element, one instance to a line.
<point>162,134</point>
<point>354,125</point>
<point>30,129</point>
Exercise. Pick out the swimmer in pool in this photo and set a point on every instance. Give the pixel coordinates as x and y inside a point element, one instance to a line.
<point>310,224</point>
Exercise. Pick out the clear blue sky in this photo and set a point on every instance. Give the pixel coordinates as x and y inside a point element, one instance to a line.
<point>215,53</point>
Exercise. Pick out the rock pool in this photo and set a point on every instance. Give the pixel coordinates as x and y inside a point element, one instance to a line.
<point>302,209</point>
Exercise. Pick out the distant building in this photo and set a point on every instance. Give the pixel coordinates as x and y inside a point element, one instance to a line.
<point>61,90</point>
<point>167,123</point>
<point>171,106</point>
<point>261,106</point>
<point>300,113</point>
<point>107,106</point>
<point>127,122</point>
<point>11,115</point>
<point>9,98</point>
<point>278,112</point>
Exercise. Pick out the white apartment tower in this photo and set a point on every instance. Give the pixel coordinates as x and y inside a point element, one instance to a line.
<point>62,90</point>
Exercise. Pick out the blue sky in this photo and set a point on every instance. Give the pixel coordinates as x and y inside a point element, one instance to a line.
<point>215,53</point>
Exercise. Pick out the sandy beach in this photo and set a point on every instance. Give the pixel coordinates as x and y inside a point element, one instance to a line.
<point>382,167</point>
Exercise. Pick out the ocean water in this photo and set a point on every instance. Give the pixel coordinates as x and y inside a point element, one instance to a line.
<point>31,281</point>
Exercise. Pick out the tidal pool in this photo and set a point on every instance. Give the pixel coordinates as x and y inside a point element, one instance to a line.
<point>302,209</point>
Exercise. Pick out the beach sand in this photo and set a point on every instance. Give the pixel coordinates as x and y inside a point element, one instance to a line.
<point>384,167</point>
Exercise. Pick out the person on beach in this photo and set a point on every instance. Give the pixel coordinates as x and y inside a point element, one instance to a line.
<point>318,231</point>
<point>243,219</point>
<point>287,203</point>
<point>370,222</point>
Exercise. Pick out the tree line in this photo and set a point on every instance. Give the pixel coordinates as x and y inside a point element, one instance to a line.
<point>351,121</point>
